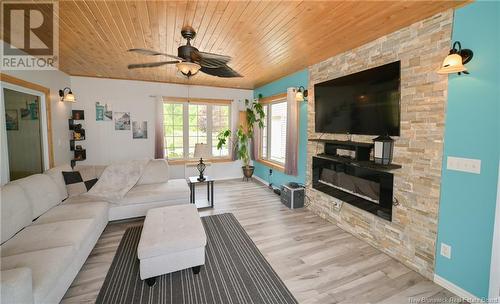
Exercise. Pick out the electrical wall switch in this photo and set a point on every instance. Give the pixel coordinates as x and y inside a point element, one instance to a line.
<point>468,165</point>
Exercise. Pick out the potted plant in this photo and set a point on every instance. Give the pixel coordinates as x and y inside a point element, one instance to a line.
<point>241,142</point>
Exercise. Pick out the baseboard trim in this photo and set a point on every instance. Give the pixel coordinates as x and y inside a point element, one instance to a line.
<point>261,180</point>
<point>469,297</point>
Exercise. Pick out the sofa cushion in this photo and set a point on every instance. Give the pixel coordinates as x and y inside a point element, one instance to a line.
<point>155,172</point>
<point>16,210</point>
<point>174,189</point>
<point>42,193</point>
<point>81,199</point>
<point>47,266</point>
<point>56,175</point>
<point>79,182</point>
<point>44,236</point>
<point>99,169</point>
<point>97,211</point>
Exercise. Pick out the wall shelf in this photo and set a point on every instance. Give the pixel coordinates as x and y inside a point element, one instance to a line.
<point>363,164</point>
<point>78,154</point>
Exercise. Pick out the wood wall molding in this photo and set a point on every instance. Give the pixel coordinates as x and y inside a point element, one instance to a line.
<point>46,92</point>
<point>267,39</point>
<point>273,98</point>
<point>271,164</point>
<point>193,163</point>
<point>197,100</point>
<point>24,83</point>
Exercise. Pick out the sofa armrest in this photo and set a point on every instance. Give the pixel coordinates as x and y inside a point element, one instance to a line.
<point>16,286</point>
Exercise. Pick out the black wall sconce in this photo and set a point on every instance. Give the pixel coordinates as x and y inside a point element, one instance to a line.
<point>66,95</point>
<point>301,94</point>
<point>456,59</point>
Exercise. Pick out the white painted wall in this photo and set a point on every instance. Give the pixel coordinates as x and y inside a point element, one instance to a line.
<point>104,144</point>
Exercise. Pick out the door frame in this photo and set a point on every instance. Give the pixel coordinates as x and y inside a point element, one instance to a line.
<point>13,83</point>
<point>495,253</point>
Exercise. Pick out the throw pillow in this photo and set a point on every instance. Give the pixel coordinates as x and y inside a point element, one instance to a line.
<point>155,172</point>
<point>77,184</point>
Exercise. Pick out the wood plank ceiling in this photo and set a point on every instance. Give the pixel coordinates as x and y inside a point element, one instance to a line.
<point>267,39</point>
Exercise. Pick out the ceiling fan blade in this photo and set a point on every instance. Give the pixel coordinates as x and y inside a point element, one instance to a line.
<point>211,60</point>
<point>223,71</point>
<point>213,56</point>
<point>150,64</point>
<point>153,53</point>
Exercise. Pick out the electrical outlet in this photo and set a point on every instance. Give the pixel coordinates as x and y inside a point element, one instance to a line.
<point>336,205</point>
<point>270,171</point>
<point>468,165</point>
<point>446,250</point>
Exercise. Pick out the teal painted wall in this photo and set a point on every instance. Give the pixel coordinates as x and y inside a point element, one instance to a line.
<point>300,78</point>
<point>472,130</point>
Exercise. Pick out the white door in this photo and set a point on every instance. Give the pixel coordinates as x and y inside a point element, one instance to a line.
<point>23,131</point>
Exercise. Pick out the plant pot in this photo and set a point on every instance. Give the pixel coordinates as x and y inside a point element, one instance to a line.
<point>248,171</point>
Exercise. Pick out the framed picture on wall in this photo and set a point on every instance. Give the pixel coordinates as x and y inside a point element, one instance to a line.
<point>122,120</point>
<point>99,111</point>
<point>78,114</point>
<point>108,114</point>
<point>11,120</point>
<point>140,130</point>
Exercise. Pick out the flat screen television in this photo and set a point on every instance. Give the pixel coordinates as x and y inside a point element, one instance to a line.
<point>367,102</point>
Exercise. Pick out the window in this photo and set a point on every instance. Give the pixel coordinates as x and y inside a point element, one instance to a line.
<point>173,124</point>
<point>274,132</point>
<point>186,124</point>
<point>220,121</point>
<point>197,126</point>
<point>264,135</point>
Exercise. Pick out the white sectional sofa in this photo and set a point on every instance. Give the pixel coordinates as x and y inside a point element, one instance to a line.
<point>46,237</point>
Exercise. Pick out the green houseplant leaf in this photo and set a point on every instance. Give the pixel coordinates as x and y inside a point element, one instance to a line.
<point>255,117</point>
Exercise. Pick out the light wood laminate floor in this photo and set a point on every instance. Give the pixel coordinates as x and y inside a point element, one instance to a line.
<point>319,262</point>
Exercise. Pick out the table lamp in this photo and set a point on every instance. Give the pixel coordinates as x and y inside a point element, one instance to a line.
<point>201,151</point>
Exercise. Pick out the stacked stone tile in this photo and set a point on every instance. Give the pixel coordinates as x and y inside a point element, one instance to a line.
<point>411,236</point>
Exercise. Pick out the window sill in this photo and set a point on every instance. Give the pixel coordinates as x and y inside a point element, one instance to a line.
<point>274,165</point>
<point>192,161</point>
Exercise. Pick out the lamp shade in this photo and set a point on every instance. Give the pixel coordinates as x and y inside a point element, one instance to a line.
<point>299,96</point>
<point>201,151</point>
<point>188,68</point>
<point>69,97</point>
<point>453,63</point>
<point>384,147</point>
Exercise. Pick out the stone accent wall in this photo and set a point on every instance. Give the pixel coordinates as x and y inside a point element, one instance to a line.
<point>411,236</point>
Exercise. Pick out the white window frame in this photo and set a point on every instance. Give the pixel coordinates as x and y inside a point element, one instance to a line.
<point>185,126</point>
<point>268,124</point>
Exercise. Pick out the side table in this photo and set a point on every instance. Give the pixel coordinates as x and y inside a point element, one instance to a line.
<point>192,182</point>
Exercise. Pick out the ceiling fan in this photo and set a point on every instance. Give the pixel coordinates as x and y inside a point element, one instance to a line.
<point>190,60</point>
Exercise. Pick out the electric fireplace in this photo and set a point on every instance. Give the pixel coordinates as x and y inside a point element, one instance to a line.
<point>366,188</point>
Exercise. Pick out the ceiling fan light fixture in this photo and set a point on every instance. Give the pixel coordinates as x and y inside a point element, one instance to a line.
<point>188,68</point>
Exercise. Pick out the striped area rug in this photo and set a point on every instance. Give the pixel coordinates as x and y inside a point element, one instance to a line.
<point>234,272</point>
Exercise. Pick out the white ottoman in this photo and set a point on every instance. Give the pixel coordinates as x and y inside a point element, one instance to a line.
<point>172,239</point>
